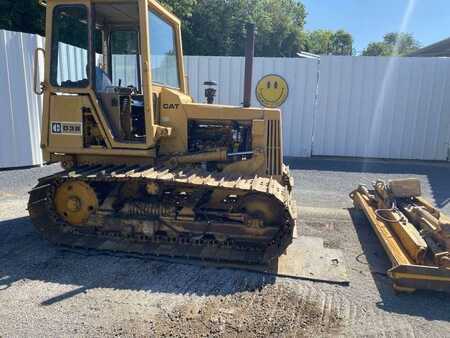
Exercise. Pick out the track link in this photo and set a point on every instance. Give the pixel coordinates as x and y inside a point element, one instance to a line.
<point>53,228</point>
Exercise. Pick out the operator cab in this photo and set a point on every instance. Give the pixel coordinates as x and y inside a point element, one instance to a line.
<point>100,48</point>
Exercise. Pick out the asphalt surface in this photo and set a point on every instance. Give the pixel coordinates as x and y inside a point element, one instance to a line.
<point>327,181</point>
<point>49,291</point>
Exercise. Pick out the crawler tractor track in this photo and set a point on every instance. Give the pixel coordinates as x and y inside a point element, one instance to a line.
<point>92,234</point>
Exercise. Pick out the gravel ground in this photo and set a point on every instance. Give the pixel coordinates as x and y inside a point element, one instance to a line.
<point>48,291</point>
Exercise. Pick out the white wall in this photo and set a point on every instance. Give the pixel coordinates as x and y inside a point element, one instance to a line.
<point>395,108</point>
<point>383,107</point>
<point>20,109</point>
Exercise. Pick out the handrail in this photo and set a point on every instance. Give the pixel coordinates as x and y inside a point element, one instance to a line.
<point>36,71</point>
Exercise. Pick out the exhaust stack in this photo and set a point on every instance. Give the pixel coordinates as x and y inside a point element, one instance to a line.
<point>249,55</point>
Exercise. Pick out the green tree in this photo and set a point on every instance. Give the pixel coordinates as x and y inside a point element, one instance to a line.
<point>342,43</point>
<point>217,27</point>
<point>209,27</point>
<point>319,41</point>
<point>393,44</point>
<point>377,49</point>
<point>181,8</point>
<point>280,25</point>
<point>22,15</point>
<point>325,42</point>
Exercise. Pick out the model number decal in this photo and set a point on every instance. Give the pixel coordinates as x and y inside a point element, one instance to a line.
<point>67,128</point>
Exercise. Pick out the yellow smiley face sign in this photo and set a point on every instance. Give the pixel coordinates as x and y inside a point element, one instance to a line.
<point>272,91</point>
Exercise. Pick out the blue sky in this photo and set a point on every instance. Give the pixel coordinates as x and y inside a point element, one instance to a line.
<point>369,20</point>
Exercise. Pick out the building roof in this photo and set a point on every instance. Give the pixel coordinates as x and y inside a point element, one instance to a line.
<point>438,49</point>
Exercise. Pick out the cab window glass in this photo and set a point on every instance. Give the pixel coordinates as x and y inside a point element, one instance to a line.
<point>125,58</point>
<point>70,42</point>
<point>163,52</point>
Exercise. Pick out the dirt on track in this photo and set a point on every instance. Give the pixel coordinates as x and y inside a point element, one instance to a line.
<point>273,311</point>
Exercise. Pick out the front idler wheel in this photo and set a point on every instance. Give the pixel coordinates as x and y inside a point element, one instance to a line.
<point>75,202</point>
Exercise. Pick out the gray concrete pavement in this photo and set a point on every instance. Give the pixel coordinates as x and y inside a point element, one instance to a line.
<point>49,291</point>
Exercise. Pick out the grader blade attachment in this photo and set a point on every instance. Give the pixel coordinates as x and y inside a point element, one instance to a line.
<point>412,232</point>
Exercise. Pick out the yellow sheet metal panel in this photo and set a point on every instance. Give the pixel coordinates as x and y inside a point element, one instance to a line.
<point>66,121</point>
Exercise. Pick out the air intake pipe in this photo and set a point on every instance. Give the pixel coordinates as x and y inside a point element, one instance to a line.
<point>249,55</point>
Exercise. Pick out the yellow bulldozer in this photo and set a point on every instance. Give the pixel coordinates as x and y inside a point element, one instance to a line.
<point>145,169</point>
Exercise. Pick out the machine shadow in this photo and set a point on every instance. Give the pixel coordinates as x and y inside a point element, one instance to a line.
<point>419,303</point>
<point>436,172</point>
<point>24,254</point>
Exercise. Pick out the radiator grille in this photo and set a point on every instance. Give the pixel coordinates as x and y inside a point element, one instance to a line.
<point>274,147</point>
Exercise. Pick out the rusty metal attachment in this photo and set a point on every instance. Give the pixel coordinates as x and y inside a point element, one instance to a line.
<point>414,234</point>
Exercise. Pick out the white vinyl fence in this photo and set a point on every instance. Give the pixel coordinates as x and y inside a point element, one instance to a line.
<point>20,109</point>
<point>383,107</point>
<point>393,108</point>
